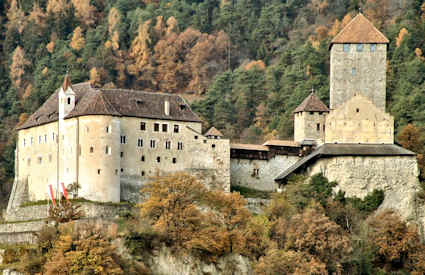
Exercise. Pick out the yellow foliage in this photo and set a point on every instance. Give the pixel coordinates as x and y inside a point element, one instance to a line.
<point>336,27</point>
<point>115,40</point>
<point>16,17</point>
<point>84,11</point>
<point>50,47</point>
<point>114,18</point>
<point>37,15</point>
<point>17,68</point>
<point>418,53</point>
<point>94,77</point>
<point>78,41</point>
<point>347,18</point>
<point>27,92</point>
<point>139,50</point>
<point>56,7</point>
<point>321,32</point>
<point>171,25</point>
<point>403,32</point>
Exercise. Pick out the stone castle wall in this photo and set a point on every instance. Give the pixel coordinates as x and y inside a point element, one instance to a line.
<point>358,72</point>
<point>358,176</point>
<point>111,157</point>
<point>359,121</point>
<point>242,171</point>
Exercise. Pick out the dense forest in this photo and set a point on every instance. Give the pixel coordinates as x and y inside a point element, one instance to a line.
<point>243,64</point>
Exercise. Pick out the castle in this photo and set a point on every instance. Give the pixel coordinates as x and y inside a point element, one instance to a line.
<point>110,141</point>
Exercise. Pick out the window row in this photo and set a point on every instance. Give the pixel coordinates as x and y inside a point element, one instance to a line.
<point>153,142</point>
<point>157,127</point>
<point>359,47</point>
<point>41,139</point>
<point>40,160</point>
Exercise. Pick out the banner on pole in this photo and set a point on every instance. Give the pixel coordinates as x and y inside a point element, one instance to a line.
<point>51,194</point>
<point>63,190</point>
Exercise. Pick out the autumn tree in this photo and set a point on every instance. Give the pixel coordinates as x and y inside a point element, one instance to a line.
<point>84,11</point>
<point>397,244</point>
<point>77,42</point>
<point>18,67</point>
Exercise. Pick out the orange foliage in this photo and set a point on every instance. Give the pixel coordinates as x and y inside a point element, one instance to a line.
<point>84,11</point>
<point>18,66</point>
<point>403,32</point>
<point>16,17</point>
<point>410,138</point>
<point>321,32</point>
<point>37,15</point>
<point>255,64</point>
<point>336,27</point>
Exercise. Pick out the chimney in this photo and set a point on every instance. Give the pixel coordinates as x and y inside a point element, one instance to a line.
<point>167,107</point>
<point>66,82</point>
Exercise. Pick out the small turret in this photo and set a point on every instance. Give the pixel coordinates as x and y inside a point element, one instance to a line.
<point>309,122</point>
<point>66,98</point>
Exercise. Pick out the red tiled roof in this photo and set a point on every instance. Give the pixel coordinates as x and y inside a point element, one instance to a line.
<point>312,104</point>
<point>360,30</point>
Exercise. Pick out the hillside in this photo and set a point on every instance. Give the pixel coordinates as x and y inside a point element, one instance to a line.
<point>245,64</point>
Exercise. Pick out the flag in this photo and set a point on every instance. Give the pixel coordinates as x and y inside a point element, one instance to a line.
<point>51,194</point>
<point>63,190</point>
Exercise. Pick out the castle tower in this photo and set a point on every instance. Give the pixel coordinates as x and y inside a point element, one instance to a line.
<point>310,117</point>
<point>358,63</point>
<point>66,98</point>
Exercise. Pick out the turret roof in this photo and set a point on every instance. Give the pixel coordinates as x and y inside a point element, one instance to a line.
<point>213,132</point>
<point>360,30</point>
<point>312,104</point>
<point>66,82</point>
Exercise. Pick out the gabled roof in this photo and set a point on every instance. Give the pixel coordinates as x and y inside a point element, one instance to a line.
<point>283,143</point>
<point>333,150</point>
<point>114,102</point>
<point>213,132</point>
<point>360,30</point>
<point>312,104</point>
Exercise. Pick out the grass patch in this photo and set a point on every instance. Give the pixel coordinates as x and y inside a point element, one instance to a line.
<point>251,193</point>
<point>79,200</point>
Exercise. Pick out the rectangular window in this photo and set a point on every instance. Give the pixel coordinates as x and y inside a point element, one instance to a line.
<point>156,127</point>
<point>158,159</point>
<point>53,136</point>
<point>152,143</point>
<point>142,158</point>
<point>40,160</point>
<point>168,145</point>
<point>24,142</point>
<point>176,128</point>
<point>122,154</point>
<point>142,126</point>
<point>123,140</point>
<point>353,71</point>
<point>359,47</point>
<point>164,127</point>
<point>373,47</point>
<point>318,126</point>
<point>45,138</point>
<point>196,137</point>
<point>91,149</point>
<point>213,146</point>
<point>108,150</point>
<point>346,48</point>
<point>180,146</point>
<point>143,173</point>
<point>98,171</point>
<point>108,129</point>
<point>323,127</point>
<point>174,160</point>
<point>39,139</point>
<point>32,140</point>
<point>50,157</point>
<point>140,142</point>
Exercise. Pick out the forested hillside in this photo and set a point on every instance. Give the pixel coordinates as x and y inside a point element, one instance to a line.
<point>244,64</point>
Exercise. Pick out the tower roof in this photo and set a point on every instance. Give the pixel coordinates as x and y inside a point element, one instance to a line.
<point>66,82</point>
<point>213,132</point>
<point>360,30</point>
<point>312,104</point>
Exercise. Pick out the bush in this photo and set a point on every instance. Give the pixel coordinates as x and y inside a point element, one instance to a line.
<point>370,203</point>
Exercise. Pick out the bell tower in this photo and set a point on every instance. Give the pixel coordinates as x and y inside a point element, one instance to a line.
<point>358,63</point>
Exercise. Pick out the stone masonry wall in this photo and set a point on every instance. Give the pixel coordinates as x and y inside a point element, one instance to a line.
<point>242,172</point>
<point>358,72</point>
<point>358,176</point>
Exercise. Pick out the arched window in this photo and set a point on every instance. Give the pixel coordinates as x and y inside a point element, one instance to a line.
<point>69,100</point>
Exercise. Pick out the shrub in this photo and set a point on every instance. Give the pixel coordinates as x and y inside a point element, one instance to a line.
<point>370,203</point>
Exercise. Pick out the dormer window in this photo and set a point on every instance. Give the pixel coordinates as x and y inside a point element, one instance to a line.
<point>139,102</point>
<point>182,107</point>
